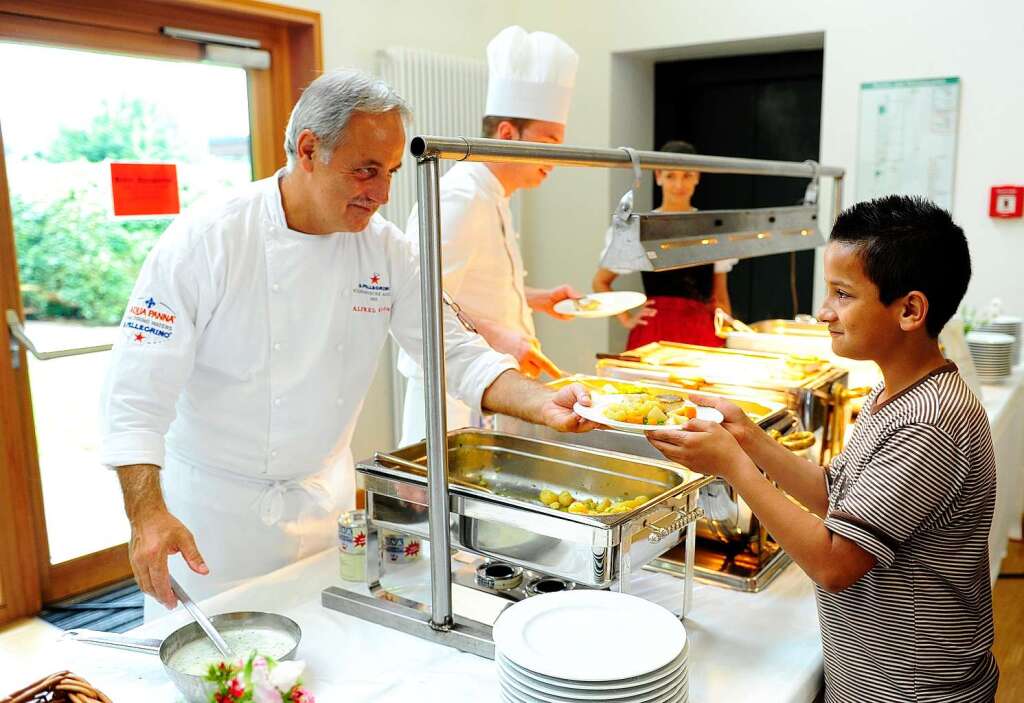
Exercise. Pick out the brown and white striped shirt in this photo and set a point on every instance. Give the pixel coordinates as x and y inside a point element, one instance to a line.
<point>915,487</point>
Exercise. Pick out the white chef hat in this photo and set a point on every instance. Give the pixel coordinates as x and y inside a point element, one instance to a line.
<point>530,75</point>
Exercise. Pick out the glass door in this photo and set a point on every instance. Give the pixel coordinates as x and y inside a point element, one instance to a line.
<point>65,119</point>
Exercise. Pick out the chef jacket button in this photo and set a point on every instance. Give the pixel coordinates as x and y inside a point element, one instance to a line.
<point>341,401</point>
<point>273,454</point>
<point>277,401</point>
<point>277,346</point>
<point>340,347</point>
<point>275,287</point>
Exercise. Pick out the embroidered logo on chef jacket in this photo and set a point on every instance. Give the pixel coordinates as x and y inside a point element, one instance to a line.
<point>148,321</point>
<point>375,288</point>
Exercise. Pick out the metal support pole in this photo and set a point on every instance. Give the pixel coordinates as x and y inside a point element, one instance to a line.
<point>428,204</point>
<point>499,150</point>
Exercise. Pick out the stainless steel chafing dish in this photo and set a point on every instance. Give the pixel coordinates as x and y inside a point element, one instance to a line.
<point>816,392</point>
<point>495,479</point>
<point>733,549</point>
<point>494,512</point>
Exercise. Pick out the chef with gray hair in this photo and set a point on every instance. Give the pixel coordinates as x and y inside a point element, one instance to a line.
<point>248,347</point>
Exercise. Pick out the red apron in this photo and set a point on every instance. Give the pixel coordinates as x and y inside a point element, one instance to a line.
<point>678,320</point>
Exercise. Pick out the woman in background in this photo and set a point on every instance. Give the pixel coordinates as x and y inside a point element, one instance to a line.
<point>680,303</point>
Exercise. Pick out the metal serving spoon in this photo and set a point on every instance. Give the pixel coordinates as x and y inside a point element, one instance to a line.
<point>204,622</point>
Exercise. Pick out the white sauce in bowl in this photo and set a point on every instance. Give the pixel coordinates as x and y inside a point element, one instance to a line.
<point>196,657</point>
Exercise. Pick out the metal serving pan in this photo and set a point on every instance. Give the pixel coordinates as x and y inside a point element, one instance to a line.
<point>504,519</point>
<point>192,687</point>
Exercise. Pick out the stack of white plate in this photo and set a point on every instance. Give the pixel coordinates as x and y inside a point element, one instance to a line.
<point>992,353</point>
<point>1006,324</point>
<point>590,646</point>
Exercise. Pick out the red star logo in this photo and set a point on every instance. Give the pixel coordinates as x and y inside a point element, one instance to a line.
<point>360,540</point>
<point>374,279</point>
<point>412,549</point>
<point>138,338</point>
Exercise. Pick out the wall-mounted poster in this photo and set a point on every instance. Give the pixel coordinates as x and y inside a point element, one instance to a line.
<point>908,139</point>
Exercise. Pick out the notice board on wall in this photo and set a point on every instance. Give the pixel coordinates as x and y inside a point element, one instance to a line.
<point>907,139</point>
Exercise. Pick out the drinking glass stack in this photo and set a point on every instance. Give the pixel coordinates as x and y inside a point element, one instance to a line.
<point>587,645</point>
<point>992,353</point>
<point>1005,324</point>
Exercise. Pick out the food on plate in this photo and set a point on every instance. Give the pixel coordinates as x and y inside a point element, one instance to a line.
<point>588,506</point>
<point>587,303</point>
<point>650,411</point>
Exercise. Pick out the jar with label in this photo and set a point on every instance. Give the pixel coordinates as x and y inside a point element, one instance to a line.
<point>400,548</point>
<point>352,545</point>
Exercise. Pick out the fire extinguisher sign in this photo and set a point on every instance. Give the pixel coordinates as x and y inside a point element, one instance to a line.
<point>1006,202</point>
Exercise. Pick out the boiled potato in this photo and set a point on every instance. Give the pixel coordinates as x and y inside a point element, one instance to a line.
<point>566,499</point>
<point>546,496</point>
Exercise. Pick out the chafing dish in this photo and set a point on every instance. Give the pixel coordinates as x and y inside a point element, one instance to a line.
<point>806,337</point>
<point>733,548</point>
<point>815,390</point>
<point>495,513</point>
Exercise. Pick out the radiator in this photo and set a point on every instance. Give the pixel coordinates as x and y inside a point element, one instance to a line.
<point>447,95</point>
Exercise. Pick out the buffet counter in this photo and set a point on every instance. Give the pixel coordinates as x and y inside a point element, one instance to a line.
<point>1004,404</point>
<point>744,646</point>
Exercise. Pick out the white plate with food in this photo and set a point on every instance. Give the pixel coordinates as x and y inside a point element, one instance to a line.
<point>600,304</point>
<point>641,412</point>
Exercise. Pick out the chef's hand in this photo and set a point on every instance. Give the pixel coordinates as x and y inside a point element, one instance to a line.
<point>736,422</point>
<point>638,318</point>
<point>704,447</point>
<point>557,410</point>
<point>544,299</point>
<point>155,537</point>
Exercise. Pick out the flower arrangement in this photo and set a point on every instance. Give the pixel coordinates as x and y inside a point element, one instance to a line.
<point>258,679</point>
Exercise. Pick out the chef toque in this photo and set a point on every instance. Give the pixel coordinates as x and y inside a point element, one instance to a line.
<point>530,75</point>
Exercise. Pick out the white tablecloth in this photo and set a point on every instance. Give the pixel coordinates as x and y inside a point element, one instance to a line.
<point>744,647</point>
<point>1005,406</point>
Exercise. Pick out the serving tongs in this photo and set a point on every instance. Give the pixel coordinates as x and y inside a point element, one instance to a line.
<point>419,470</point>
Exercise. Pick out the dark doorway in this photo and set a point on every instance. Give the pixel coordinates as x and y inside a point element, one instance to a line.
<point>763,106</point>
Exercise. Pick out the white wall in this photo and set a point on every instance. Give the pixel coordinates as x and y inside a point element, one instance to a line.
<point>618,41</point>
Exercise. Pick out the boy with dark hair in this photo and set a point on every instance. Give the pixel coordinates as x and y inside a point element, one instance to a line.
<point>896,537</point>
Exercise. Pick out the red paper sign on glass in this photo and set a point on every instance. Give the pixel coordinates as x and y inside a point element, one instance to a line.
<point>144,189</point>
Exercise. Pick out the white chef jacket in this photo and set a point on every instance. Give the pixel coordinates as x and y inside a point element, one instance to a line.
<point>247,347</point>
<point>482,269</point>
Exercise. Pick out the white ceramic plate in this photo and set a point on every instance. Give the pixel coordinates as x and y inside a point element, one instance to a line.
<point>679,693</point>
<point>609,303</point>
<point>565,635</point>
<point>595,413</point>
<point>602,686</point>
<point>541,689</point>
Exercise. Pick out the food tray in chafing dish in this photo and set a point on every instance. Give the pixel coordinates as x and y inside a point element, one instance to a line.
<point>699,367</point>
<point>496,481</point>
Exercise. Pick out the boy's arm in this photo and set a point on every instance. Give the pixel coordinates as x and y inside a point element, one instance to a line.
<point>798,477</point>
<point>831,560</point>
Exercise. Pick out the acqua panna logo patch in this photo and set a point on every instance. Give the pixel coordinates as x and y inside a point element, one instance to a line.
<point>148,321</point>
